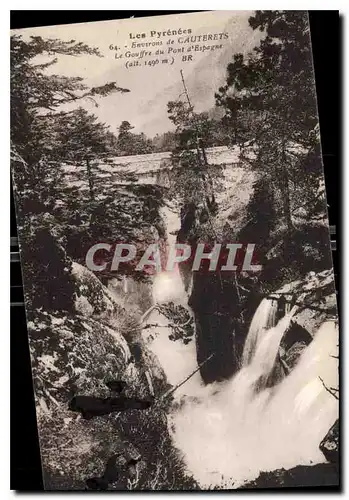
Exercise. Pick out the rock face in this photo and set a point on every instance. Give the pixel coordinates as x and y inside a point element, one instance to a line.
<point>213,296</point>
<point>76,353</point>
<point>330,444</point>
<point>91,297</point>
<point>213,301</point>
<point>317,296</point>
<point>48,282</point>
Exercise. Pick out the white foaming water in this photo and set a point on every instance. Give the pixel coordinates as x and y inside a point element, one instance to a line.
<point>263,319</point>
<point>176,358</point>
<point>235,432</point>
<point>167,285</point>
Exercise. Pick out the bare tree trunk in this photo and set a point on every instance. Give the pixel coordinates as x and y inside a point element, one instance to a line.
<point>171,391</point>
<point>90,180</point>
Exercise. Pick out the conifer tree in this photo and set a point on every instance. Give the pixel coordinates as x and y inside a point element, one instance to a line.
<point>36,97</point>
<point>269,101</point>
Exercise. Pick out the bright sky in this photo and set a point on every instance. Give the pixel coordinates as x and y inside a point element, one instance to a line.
<point>145,106</point>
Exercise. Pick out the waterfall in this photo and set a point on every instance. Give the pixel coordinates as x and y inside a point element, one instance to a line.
<point>263,319</point>
<point>229,432</point>
<point>176,358</point>
<point>241,427</point>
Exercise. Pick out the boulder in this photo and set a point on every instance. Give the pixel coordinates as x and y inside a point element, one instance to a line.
<point>330,444</point>
<point>92,298</point>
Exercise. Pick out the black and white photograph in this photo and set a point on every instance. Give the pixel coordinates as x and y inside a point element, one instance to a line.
<point>175,250</point>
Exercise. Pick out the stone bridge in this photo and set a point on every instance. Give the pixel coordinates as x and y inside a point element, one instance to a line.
<point>155,168</point>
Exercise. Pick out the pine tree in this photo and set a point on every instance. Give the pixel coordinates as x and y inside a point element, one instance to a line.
<point>81,140</point>
<point>194,178</point>
<point>36,97</point>
<point>269,100</point>
<point>129,143</point>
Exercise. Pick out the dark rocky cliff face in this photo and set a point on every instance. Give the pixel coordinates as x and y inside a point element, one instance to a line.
<point>214,297</point>
<point>214,302</point>
<point>224,304</point>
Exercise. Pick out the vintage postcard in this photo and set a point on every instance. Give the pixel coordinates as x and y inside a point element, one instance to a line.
<point>175,251</point>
